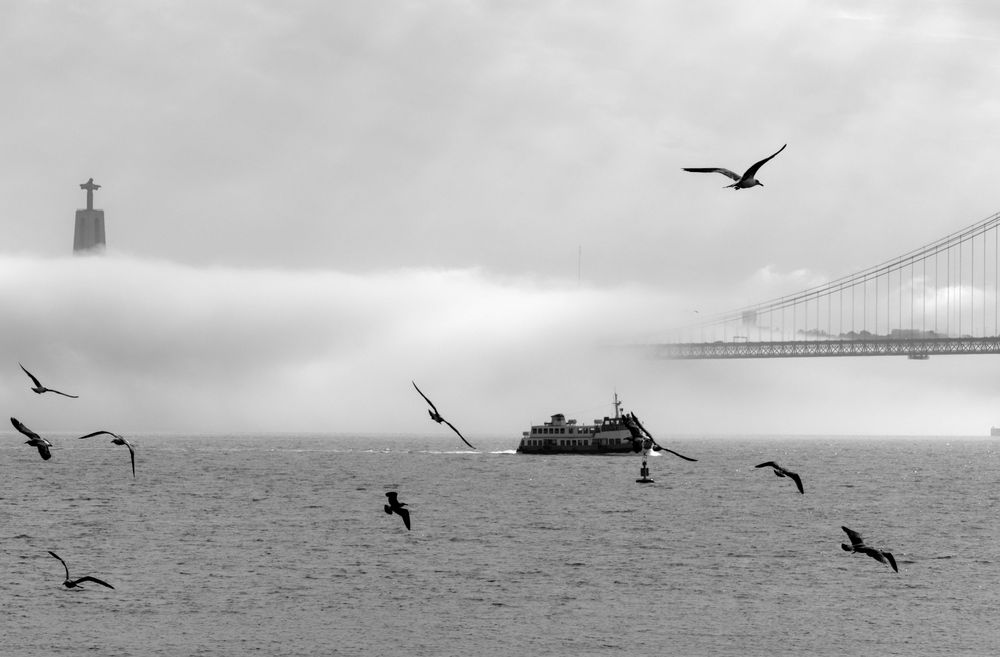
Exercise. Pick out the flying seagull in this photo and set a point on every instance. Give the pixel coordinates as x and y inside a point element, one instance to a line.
<point>742,182</point>
<point>395,505</point>
<point>858,545</point>
<point>782,472</point>
<point>35,440</point>
<point>433,412</point>
<point>71,583</point>
<point>39,388</point>
<point>656,446</point>
<point>117,440</point>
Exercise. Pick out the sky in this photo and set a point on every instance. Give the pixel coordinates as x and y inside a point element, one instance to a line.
<point>311,204</point>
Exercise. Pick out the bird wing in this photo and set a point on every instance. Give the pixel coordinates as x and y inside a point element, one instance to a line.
<point>891,559</point>
<point>686,458</point>
<point>23,429</point>
<point>855,537</point>
<point>752,171</point>
<point>61,561</point>
<point>88,578</point>
<point>425,397</point>
<point>458,432</point>
<point>392,497</point>
<point>32,377</point>
<point>43,450</point>
<point>405,515</point>
<point>874,554</point>
<point>767,464</point>
<point>131,453</point>
<point>725,172</point>
<point>658,446</point>
<point>642,427</point>
<point>63,393</point>
<point>98,433</point>
<point>798,480</point>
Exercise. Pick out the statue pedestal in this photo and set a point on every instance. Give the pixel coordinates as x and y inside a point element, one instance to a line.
<point>89,234</point>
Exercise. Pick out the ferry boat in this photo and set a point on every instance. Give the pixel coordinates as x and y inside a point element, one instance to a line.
<point>609,435</point>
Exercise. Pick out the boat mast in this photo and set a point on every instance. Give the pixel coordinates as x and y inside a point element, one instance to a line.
<point>617,405</point>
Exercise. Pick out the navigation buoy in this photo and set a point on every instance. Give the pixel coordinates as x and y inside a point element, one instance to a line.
<point>647,445</point>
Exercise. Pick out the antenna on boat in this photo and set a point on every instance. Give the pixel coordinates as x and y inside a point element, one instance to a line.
<point>617,405</point>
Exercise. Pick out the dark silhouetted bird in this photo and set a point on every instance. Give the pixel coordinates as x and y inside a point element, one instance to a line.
<point>39,388</point>
<point>742,182</point>
<point>782,472</point>
<point>34,439</point>
<point>117,440</point>
<point>433,412</point>
<point>656,446</point>
<point>72,583</point>
<point>395,506</point>
<point>858,545</point>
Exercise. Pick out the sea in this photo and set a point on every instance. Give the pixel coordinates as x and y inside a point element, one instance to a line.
<point>278,544</point>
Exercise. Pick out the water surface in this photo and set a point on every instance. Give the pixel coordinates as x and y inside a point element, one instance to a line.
<point>278,545</point>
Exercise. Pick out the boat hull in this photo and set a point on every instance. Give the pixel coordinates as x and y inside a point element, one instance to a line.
<point>578,449</point>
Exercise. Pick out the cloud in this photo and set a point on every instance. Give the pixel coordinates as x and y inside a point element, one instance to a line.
<point>160,345</point>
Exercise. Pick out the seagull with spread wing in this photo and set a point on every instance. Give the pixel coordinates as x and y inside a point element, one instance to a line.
<point>742,182</point>
<point>395,506</point>
<point>858,545</point>
<point>73,583</point>
<point>33,439</point>
<point>782,472</point>
<point>656,446</point>
<point>39,388</point>
<point>117,440</point>
<point>433,412</point>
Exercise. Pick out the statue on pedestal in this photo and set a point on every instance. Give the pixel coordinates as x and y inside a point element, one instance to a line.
<point>89,234</point>
<point>90,187</point>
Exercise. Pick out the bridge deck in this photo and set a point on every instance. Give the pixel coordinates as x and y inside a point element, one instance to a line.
<point>917,348</point>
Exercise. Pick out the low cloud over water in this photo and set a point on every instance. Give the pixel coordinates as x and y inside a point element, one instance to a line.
<point>158,346</point>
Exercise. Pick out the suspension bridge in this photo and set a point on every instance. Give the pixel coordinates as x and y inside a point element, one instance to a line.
<point>936,300</point>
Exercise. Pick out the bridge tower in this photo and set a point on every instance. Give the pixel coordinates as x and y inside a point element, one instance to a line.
<point>89,234</point>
